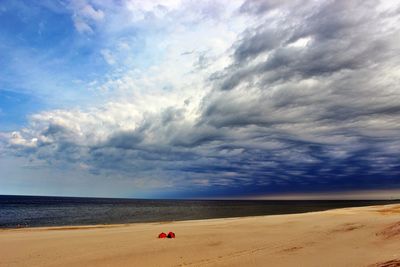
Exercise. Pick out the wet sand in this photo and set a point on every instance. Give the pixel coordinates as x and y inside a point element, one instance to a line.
<point>365,236</point>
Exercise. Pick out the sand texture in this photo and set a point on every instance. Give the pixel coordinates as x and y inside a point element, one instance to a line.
<point>368,236</point>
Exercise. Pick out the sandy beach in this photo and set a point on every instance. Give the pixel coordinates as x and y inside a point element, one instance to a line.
<point>366,236</point>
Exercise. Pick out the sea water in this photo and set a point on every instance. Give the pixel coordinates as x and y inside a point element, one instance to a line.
<point>33,211</point>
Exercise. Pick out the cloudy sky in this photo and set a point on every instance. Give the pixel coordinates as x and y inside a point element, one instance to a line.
<point>203,99</point>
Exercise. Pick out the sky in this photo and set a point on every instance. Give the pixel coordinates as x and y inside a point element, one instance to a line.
<point>200,99</point>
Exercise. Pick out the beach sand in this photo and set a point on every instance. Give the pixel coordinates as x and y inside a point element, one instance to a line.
<point>367,236</point>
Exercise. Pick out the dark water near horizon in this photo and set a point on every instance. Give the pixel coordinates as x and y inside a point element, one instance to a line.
<point>33,211</point>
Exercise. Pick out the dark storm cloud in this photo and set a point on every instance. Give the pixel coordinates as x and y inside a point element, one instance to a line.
<point>261,40</point>
<point>263,6</point>
<point>344,35</point>
<point>321,80</point>
<point>311,101</point>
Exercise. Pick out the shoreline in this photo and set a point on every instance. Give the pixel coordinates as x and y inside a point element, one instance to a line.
<point>357,236</point>
<point>100,225</point>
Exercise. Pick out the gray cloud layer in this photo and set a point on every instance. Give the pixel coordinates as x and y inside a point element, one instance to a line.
<point>311,100</point>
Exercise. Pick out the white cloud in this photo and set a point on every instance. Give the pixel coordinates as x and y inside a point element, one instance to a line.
<point>89,12</point>
<point>108,56</point>
<point>81,26</point>
<point>301,42</point>
<point>85,16</point>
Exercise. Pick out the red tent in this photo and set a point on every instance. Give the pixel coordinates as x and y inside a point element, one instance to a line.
<point>162,235</point>
<point>171,235</point>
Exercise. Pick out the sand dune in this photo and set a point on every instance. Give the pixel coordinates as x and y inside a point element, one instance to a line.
<point>368,236</point>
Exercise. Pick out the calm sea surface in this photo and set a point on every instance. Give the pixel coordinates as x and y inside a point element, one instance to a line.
<point>30,211</point>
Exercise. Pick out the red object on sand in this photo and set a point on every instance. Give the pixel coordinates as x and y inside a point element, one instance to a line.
<point>162,235</point>
<point>171,235</point>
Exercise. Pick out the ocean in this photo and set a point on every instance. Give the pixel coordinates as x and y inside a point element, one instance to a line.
<point>35,211</point>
